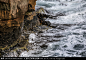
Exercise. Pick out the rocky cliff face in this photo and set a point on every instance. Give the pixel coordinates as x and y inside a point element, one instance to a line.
<point>12,14</point>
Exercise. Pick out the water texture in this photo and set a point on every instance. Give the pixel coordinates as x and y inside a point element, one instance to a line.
<point>68,38</point>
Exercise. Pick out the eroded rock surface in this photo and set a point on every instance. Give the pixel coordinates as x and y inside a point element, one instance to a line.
<point>12,14</point>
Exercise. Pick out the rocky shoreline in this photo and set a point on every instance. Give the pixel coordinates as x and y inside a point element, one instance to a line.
<point>17,20</point>
<point>12,21</point>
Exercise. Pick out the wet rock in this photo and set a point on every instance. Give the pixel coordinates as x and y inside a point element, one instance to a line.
<point>47,11</point>
<point>65,46</point>
<point>46,23</point>
<point>40,32</point>
<point>47,16</point>
<point>42,20</point>
<point>53,25</point>
<point>83,53</point>
<point>43,46</point>
<point>31,21</point>
<point>78,46</point>
<point>40,29</point>
<point>60,14</point>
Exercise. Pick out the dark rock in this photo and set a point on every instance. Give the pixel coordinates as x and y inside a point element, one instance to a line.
<point>76,33</point>
<point>11,21</point>
<point>53,25</point>
<point>78,46</point>
<point>31,21</point>
<point>60,14</point>
<point>42,20</point>
<point>46,23</point>
<point>47,11</point>
<point>40,32</point>
<point>83,53</point>
<point>1,54</point>
<point>46,16</point>
<point>43,46</point>
<point>63,26</point>
<point>65,46</point>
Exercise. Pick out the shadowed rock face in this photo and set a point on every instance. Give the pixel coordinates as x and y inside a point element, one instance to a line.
<point>12,14</point>
<point>31,21</point>
<point>11,9</point>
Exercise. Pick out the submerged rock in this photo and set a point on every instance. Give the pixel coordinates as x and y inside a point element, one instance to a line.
<point>83,53</point>
<point>43,46</point>
<point>78,46</point>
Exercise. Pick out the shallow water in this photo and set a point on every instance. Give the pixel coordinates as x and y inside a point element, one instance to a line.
<point>68,38</point>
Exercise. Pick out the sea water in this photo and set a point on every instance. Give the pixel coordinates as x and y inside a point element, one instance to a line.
<point>68,38</point>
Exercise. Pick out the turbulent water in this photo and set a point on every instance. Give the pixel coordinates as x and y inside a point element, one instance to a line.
<point>68,37</point>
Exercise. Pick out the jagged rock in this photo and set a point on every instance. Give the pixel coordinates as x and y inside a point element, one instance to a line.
<point>11,11</point>
<point>31,21</point>
<point>43,46</point>
<point>12,14</point>
<point>42,20</point>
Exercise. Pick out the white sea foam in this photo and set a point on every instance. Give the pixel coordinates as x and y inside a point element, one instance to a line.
<point>32,38</point>
<point>75,14</point>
